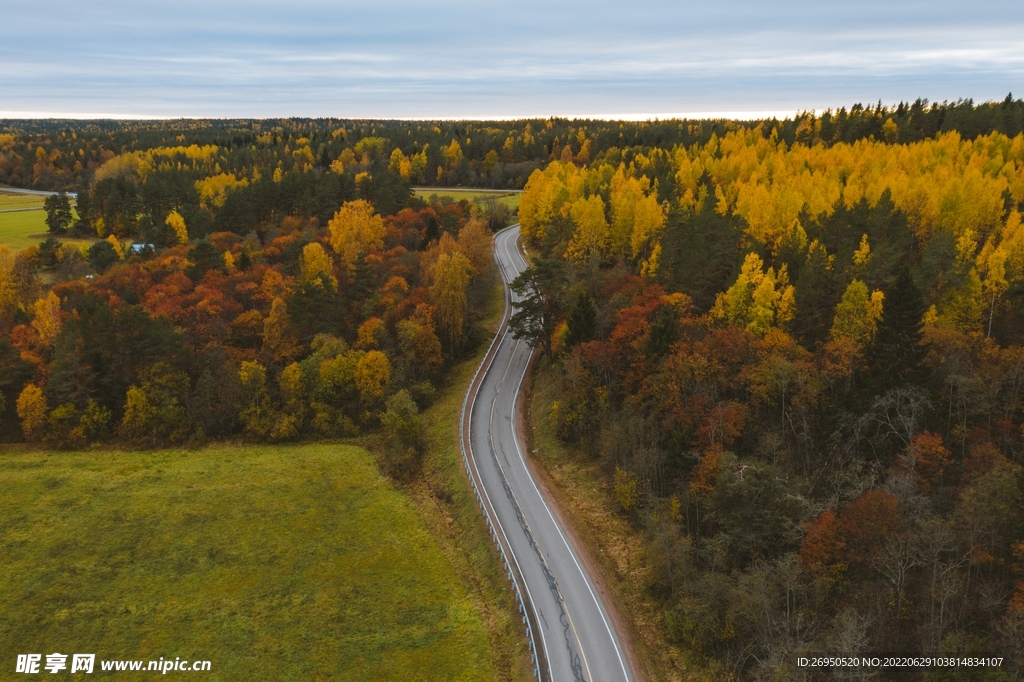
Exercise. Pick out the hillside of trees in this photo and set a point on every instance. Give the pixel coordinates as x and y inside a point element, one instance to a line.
<point>801,366</point>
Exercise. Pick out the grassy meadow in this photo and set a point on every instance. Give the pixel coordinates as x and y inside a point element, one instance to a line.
<point>273,562</point>
<point>22,229</point>
<point>20,226</point>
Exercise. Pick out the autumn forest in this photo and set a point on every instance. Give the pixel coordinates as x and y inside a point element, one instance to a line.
<point>801,365</point>
<point>795,348</point>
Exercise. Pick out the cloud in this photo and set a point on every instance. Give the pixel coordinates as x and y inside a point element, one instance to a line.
<point>452,59</point>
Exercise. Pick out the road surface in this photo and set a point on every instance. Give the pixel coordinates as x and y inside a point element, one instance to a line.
<point>37,192</point>
<point>567,623</point>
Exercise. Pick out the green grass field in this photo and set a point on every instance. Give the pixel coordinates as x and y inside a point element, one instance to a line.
<point>274,563</point>
<point>478,196</point>
<point>22,229</point>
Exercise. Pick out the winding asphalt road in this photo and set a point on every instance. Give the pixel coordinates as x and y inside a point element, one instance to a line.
<point>569,627</point>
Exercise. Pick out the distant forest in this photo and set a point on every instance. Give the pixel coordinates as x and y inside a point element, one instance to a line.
<point>64,154</point>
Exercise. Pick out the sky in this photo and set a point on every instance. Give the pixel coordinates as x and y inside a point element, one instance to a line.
<point>453,59</point>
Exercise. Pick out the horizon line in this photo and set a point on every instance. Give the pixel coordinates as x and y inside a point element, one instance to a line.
<point>734,115</point>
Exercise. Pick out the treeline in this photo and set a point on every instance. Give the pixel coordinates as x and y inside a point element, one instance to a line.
<point>802,369</point>
<point>308,330</point>
<point>64,154</point>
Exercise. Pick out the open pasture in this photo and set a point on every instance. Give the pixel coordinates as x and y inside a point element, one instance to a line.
<point>272,562</point>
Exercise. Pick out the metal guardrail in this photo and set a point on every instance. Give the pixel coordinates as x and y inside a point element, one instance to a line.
<point>528,610</point>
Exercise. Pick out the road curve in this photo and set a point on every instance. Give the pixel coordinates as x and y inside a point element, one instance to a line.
<point>569,628</point>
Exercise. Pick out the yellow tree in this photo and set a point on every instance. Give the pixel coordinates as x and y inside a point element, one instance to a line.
<point>963,306</point>
<point>625,193</point>
<point>544,196</point>
<point>491,160</point>
<point>345,159</point>
<point>213,190</point>
<point>648,220</point>
<point>1002,261</point>
<point>428,259</point>
<point>758,300</point>
<point>278,333</point>
<point>8,286</point>
<point>316,266</point>
<point>373,372</point>
<point>857,314</point>
<point>290,382</point>
<point>448,292</point>
<point>47,319</point>
<point>356,229</point>
<point>591,237</point>
<point>863,253</point>
<point>418,165</point>
<point>336,375</point>
<point>475,243</point>
<point>31,408</point>
<point>255,416</point>
<point>452,154</point>
<point>153,410</point>
<point>177,223</point>
<point>396,161</point>
<point>115,244</point>
<point>293,393</point>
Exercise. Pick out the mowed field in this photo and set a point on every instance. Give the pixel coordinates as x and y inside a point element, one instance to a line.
<point>273,562</point>
<point>21,228</point>
<point>478,196</point>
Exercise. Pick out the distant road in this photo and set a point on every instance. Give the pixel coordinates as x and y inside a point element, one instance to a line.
<point>37,192</point>
<point>569,625</point>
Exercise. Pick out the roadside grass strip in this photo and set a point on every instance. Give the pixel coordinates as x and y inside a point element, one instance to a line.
<point>449,508</point>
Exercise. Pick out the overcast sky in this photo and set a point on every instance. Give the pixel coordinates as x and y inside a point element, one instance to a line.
<point>454,59</point>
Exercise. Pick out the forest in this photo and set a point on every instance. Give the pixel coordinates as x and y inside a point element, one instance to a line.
<point>795,347</point>
<point>801,367</point>
<point>306,303</point>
